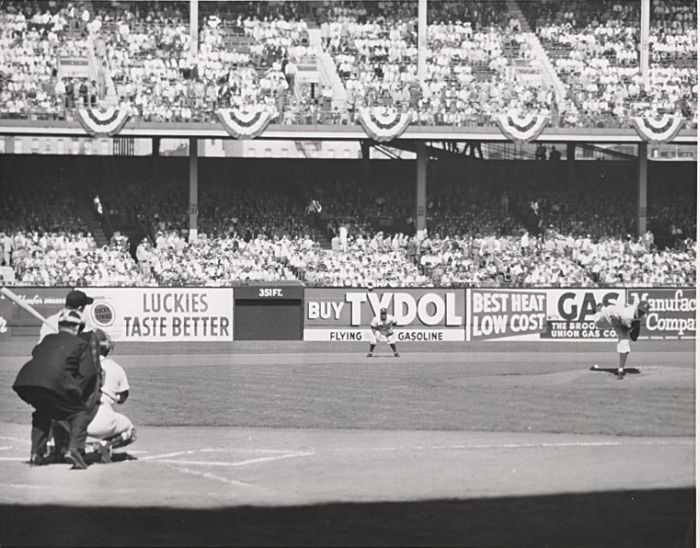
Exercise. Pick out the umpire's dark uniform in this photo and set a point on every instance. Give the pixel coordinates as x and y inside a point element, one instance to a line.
<point>53,382</point>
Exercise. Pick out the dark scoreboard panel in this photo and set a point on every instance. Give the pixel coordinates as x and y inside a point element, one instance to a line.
<point>268,313</point>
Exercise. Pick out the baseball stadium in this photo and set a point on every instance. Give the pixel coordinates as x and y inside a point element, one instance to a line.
<point>348,273</point>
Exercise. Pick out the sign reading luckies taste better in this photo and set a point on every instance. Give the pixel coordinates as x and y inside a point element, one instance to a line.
<point>164,314</point>
<point>421,314</point>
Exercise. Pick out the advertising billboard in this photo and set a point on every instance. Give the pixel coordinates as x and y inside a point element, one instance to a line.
<point>421,314</point>
<point>164,314</point>
<point>671,314</point>
<point>537,314</point>
<point>17,322</point>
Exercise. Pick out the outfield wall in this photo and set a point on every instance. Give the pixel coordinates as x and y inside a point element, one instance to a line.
<point>269,312</point>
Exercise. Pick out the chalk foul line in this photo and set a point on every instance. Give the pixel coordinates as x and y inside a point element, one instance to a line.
<point>220,479</point>
<point>545,445</point>
<point>235,463</point>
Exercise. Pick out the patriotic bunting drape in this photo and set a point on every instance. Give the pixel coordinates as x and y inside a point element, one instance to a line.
<point>102,122</point>
<point>245,123</point>
<point>521,128</point>
<point>657,129</point>
<point>383,125</point>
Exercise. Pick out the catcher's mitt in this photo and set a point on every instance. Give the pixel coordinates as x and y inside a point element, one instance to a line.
<point>634,331</point>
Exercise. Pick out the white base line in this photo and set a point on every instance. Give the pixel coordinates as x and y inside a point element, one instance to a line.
<point>546,445</point>
<point>220,479</point>
<point>178,453</point>
<point>232,464</point>
<point>14,459</point>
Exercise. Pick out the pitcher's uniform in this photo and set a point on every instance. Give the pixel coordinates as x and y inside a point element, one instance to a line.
<point>620,318</point>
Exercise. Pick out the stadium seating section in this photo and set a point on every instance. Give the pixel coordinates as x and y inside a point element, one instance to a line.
<point>319,62</point>
<point>258,226</point>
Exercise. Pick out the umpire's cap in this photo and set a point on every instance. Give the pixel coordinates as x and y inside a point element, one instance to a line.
<point>76,299</point>
<point>70,317</point>
<point>644,306</point>
<point>382,310</point>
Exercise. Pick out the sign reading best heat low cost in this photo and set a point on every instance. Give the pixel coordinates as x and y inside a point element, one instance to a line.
<point>497,313</point>
<point>532,314</point>
<point>421,315</point>
<point>191,314</point>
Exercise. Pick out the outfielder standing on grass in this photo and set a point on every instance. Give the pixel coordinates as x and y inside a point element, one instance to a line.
<point>626,320</point>
<point>383,330</point>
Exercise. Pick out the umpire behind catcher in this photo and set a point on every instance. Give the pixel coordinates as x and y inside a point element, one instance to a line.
<point>75,300</point>
<point>54,382</point>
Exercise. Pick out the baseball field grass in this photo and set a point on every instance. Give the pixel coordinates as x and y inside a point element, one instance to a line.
<point>313,444</point>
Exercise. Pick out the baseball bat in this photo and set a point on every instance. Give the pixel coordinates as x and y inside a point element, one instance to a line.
<point>24,306</point>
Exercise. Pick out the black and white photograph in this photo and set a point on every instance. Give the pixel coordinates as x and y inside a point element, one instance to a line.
<point>348,273</point>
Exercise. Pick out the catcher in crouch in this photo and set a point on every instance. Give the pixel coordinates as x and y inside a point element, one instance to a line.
<point>383,330</point>
<point>626,320</point>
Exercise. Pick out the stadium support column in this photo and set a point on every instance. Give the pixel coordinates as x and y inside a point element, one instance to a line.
<point>422,39</point>
<point>571,163</point>
<point>421,156</point>
<point>194,23</point>
<point>421,179</point>
<point>642,190</point>
<point>193,212</point>
<point>365,148</point>
<point>644,40</point>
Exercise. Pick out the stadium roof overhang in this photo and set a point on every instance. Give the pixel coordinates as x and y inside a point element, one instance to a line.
<point>41,128</point>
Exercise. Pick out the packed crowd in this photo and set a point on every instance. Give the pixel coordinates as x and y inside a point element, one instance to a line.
<point>138,54</point>
<point>148,52</point>
<point>595,49</point>
<point>32,42</point>
<point>356,234</point>
<point>469,74</point>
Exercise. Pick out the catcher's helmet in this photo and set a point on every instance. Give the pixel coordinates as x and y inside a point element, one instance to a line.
<point>105,342</point>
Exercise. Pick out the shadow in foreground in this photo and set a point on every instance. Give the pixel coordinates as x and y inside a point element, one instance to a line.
<point>657,518</point>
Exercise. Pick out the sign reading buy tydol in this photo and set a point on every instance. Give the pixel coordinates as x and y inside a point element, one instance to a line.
<point>421,314</point>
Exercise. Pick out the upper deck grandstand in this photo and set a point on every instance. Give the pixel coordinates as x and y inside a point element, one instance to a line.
<point>317,62</point>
